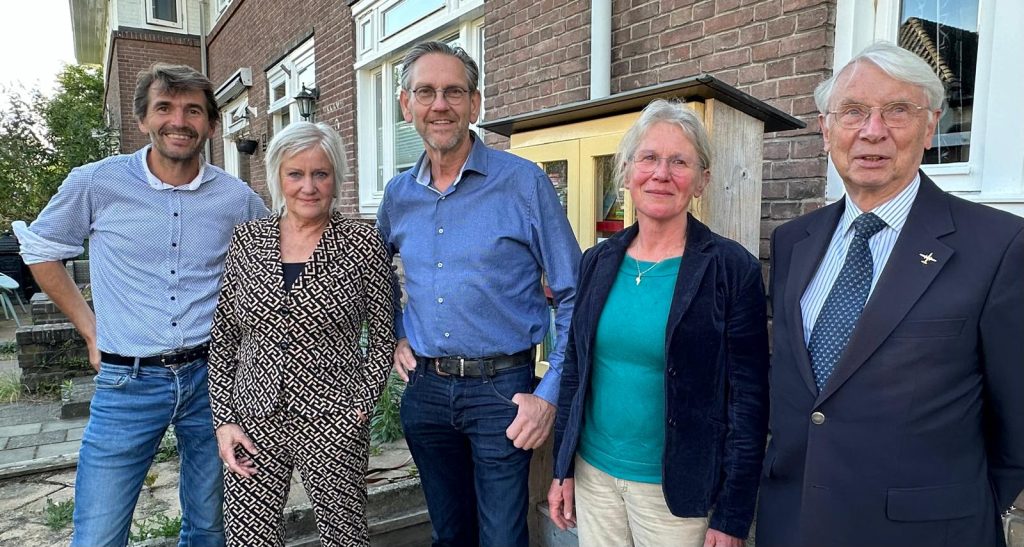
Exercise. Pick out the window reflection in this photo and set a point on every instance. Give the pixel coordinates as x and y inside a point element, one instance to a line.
<point>945,34</point>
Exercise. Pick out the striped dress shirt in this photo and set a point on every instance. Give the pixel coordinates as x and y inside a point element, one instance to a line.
<point>894,212</point>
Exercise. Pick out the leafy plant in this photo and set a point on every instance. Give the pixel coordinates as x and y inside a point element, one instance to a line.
<point>150,479</point>
<point>8,349</point>
<point>58,515</point>
<point>10,387</point>
<point>386,424</point>
<point>157,526</point>
<point>168,447</point>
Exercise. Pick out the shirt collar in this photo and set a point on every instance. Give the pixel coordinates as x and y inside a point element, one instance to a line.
<point>893,212</point>
<point>476,162</point>
<point>157,184</point>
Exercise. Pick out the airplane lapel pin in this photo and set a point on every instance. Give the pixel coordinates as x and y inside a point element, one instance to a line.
<point>926,258</point>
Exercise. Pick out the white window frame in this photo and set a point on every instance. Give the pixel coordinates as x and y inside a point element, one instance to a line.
<point>461,17</point>
<point>153,20</point>
<point>222,5</point>
<point>233,125</point>
<point>994,174</point>
<point>298,68</point>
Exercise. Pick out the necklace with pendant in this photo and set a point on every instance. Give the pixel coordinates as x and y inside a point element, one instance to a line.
<point>640,274</point>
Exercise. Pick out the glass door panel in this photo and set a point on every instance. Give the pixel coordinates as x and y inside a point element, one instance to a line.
<point>560,160</point>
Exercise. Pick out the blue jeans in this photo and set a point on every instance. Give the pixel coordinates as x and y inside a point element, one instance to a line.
<point>129,414</point>
<point>475,481</point>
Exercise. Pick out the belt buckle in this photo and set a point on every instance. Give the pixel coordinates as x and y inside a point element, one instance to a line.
<point>462,367</point>
<point>437,367</point>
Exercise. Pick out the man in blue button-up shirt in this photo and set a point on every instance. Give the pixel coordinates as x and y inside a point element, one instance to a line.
<point>476,229</point>
<point>158,223</point>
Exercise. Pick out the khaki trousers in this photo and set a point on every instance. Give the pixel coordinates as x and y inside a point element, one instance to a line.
<point>612,512</point>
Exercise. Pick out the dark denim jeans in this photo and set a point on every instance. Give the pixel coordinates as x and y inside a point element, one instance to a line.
<point>474,479</point>
<point>129,414</point>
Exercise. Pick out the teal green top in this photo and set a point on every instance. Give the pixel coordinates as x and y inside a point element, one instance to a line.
<point>623,430</point>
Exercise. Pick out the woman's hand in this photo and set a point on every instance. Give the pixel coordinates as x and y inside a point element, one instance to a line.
<point>561,503</point>
<point>230,436</point>
<point>714,538</point>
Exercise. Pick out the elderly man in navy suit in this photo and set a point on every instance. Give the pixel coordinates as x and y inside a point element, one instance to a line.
<point>898,370</point>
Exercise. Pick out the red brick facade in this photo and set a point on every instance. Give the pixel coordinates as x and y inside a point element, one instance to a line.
<point>257,34</point>
<point>538,54</point>
<point>131,52</point>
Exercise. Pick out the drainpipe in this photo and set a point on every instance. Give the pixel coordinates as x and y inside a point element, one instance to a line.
<point>202,60</point>
<point>600,48</point>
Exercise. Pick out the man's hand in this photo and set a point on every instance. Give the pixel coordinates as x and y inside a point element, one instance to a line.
<point>405,361</point>
<point>533,421</point>
<point>228,437</point>
<point>562,503</point>
<point>94,355</point>
<point>714,538</point>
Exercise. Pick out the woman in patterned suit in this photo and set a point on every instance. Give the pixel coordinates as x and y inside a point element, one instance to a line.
<point>289,384</point>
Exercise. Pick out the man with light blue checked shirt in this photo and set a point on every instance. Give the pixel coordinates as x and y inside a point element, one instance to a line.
<point>158,223</point>
<point>476,229</point>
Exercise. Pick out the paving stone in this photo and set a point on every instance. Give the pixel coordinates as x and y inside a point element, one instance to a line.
<point>66,448</point>
<point>22,429</point>
<point>61,478</point>
<point>3,442</point>
<point>19,494</point>
<point>63,425</point>
<point>17,455</point>
<point>37,439</point>
<point>75,434</point>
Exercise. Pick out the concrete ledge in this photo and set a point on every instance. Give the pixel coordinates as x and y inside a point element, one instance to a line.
<point>39,465</point>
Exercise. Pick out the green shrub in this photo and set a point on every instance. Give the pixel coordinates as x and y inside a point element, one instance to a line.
<point>58,515</point>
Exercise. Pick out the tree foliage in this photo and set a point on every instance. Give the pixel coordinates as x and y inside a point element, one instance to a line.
<point>43,138</point>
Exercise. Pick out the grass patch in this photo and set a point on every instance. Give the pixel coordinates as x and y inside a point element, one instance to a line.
<point>386,424</point>
<point>157,526</point>
<point>10,387</point>
<point>58,515</point>
<point>8,349</point>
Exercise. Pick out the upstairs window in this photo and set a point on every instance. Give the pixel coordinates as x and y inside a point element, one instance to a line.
<point>165,13</point>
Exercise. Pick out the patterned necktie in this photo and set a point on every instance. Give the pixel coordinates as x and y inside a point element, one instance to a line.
<point>845,301</point>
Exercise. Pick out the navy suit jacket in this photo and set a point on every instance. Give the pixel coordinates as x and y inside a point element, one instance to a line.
<point>920,436</point>
<point>716,375</point>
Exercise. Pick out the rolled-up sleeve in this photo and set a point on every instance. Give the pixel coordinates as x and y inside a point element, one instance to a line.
<point>59,230</point>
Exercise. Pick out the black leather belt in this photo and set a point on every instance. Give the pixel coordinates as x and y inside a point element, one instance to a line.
<point>163,360</point>
<point>480,367</point>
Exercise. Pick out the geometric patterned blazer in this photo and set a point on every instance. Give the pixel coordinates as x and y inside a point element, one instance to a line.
<point>299,351</point>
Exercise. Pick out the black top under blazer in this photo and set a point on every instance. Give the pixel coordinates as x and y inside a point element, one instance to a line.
<point>716,375</point>
<point>298,350</point>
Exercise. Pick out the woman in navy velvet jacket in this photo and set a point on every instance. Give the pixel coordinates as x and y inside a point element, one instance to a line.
<point>663,408</point>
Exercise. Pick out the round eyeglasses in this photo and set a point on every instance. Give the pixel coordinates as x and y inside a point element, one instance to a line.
<point>894,115</point>
<point>452,95</point>
<point>648,163</point>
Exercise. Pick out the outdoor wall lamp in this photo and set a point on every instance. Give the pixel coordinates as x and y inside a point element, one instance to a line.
<point>306,100</point>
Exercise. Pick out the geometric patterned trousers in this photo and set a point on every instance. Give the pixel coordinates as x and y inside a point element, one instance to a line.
<point>330,453</point>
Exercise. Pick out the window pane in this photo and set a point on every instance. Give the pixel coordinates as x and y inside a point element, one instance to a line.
<point>165,10</point>
<point>378,126</point>
<point>408,12</point>
<point>278,92</point>
<point>408,144</point>
<point>609,197</point>
<point>558,172</point>
<point>366,36</point>
<point>945,34</point>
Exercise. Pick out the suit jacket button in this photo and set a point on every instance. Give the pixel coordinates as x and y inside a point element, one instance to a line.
<point>672,372</point>
<point>817,418</point>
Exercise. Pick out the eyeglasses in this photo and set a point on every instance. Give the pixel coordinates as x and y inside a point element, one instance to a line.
<point>648,163</point>
<point>452,95</point>
<point>898,114</point>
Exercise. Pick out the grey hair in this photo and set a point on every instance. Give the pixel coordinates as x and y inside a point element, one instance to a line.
<point>298,137</point>
<point>424,48</point>
<point>662,111</point>
<point>173,79</point>
<point>895,61</point>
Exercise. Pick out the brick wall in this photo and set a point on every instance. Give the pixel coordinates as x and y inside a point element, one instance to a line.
<point>257,34</point>
<point>133,51</point>
<point>49,354</point>
<point>538,54</point>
